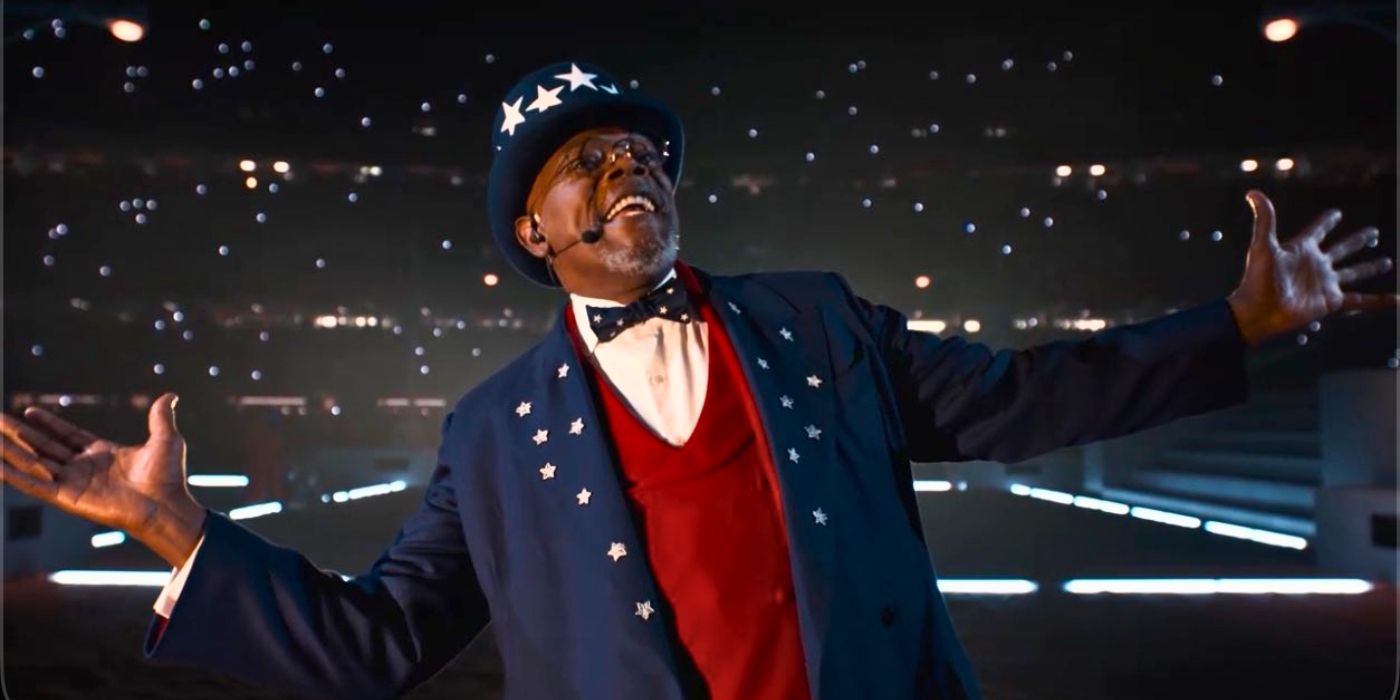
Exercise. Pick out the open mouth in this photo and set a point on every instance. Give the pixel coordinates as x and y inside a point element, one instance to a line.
<point>631,205</point>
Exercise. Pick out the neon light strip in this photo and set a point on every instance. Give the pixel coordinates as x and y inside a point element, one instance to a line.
<point>1276,539</point>
<point>217,480</point>
<point>1162,516</point>
<point>1111,507</point>
<point>365,492</point>
<point>932,485</point>
<point>1210,586</point>
<point>255,511</point>
<point>1003,586</point>
<point>108,539</point>
<point>93,577</point>
<point>1052,496</point>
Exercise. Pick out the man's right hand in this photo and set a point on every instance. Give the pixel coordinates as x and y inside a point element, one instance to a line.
<point>139,489</point>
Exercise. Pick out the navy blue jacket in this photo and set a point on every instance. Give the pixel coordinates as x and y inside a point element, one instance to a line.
<point>494,540</point>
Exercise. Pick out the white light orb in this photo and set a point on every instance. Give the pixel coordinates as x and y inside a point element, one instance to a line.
<point>1281,29</point>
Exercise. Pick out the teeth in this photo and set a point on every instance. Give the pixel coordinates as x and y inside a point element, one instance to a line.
<point>629,201</point>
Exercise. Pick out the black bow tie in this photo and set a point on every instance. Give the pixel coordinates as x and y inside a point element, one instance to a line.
<point>669,301</point>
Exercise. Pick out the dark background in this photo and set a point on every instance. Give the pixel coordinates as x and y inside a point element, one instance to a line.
<point>1134,93</point>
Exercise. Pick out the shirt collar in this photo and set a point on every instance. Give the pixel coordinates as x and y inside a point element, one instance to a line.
<point>579,306</point>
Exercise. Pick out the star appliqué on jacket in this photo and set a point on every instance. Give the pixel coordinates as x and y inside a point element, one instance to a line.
<point>813,432</point>
<point>814,381</point>
<point>547,471</point>
<point>785,400</point>
<point>617,551</point>
<point>820,516</point>
<point>523,409</point>
<point>583,497</point>
<point>541,436</point>
<point>644,610</point>
<point>576,427</point>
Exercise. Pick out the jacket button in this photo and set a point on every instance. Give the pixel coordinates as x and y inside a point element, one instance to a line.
<point>887,615</point>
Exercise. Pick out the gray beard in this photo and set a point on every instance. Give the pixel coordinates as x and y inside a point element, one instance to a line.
<point>649,260</point>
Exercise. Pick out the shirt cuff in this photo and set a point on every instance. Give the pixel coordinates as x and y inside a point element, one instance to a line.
<point>165,603</point>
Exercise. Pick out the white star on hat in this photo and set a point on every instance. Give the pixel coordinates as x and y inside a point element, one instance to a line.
<point>786,334</point>
<point>820,516</point>
<point>513,116</point>
<point>563,370</point>
<point>523,409</point>
<point>541,436</point>
<point>576,427</point>
<point>786,401</point>
<point>763,363</point>
<point>793,456</point>
<point>578,78</point>
<point>583,497</point>
<point>814,381</point>
<point>544,99</point>
<point>644,610</point>
<point>813,432</point>
<point>547,471</point>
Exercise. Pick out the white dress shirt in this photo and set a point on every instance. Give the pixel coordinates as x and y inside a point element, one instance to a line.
<point>661,367</point>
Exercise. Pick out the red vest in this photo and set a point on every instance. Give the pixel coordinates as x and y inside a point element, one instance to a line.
<point>712,523</point>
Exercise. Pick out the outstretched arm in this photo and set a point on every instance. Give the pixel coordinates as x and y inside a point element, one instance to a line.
<point>264,613</point>
<point>959,400</point>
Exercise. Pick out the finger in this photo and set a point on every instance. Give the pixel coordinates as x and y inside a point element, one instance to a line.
<point>1265,234</point>
<point>71,435</point>
<point>160,419</point>
<point>1353,301</point>
<point>1352,243</point>
<point>26,484</point>
<point>33,438</point>
<point>26,461</point>
<point>1318,229</point>
<point>1361,271</point>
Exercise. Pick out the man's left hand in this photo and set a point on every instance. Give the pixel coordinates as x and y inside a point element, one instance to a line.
<point>1287,286</point>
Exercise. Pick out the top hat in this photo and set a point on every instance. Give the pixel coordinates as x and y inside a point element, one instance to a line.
<point>540,114</point>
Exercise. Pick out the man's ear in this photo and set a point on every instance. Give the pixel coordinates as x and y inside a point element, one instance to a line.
<point>523,229</point>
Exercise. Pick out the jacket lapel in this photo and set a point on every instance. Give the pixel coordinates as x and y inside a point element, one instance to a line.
<point>568,466</point>
<point>783,351</point>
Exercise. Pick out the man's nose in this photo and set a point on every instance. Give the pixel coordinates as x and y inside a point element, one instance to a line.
<point>626,166</point>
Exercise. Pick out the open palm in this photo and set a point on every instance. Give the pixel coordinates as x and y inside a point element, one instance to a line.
<point>1289,284</point>
<point>120,486</point>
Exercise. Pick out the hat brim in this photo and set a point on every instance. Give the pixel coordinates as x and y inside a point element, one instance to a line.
<point>510,179</point>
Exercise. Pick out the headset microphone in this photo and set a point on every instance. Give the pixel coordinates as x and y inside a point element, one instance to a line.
<point>589,236</point>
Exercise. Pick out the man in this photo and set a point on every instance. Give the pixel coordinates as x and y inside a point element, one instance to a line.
<point>695,484</point>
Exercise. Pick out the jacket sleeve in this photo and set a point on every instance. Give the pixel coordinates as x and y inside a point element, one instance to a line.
<point>960,400</point>
<point>266,615</point>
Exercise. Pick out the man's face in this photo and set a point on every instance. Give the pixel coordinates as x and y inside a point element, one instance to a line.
<point>611,181</point>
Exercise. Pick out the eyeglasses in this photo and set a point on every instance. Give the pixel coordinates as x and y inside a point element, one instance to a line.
<point>597,152</point>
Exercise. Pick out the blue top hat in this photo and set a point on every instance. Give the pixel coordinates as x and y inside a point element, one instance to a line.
<point>541,113</point>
